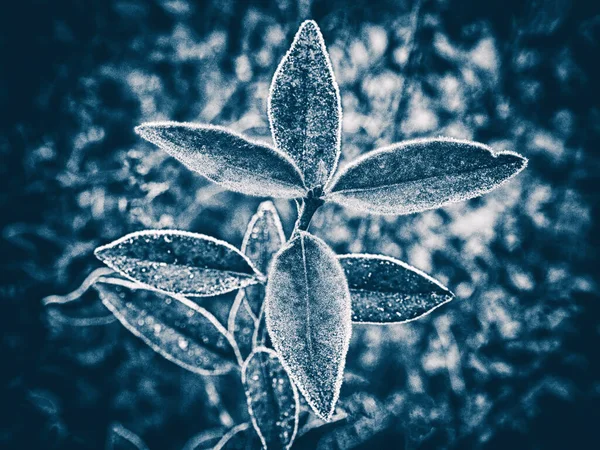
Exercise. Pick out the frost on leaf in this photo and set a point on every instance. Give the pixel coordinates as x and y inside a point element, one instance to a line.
<point>272,399</point>
<point>177,329</point>
<point>385,290</point>
<point>240,437</point>
<point>179,262</point>
<point>304,106</point>
<point>417,175</point>
<point>264,237</point>
<point>241,325</point>
<point>120,438</point>
<point>227,158</point>
<point>308,316</point>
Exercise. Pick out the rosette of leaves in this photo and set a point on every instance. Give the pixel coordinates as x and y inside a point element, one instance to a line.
<point>296,295</point>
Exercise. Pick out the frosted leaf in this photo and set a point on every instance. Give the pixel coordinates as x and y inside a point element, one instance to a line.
<point>120,438</point>
<point>422,174</point>
<point>385,290</point>
<point>179,262</point>
<point>261,334</point>
<point>241,325</point>
<point>272,399</point>
<point>308,316</point>
<point>304,106</point>
<point>227,158</point>
<point>240,437</point>
<point>264,237</point>
<point>174,327</point>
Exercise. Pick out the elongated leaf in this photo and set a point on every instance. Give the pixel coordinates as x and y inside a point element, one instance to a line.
<point>272,399</point>
<point>240,437</point>
<point>304,106</point>
<point>422,174</point>
<point>120,438</point>
<point>264,237</point>
<point>241,325</point>
<point>179,262</point>
<point>174,327</point>
<point>385,290</point>
<point>308,316</point>
<point>227,158</point>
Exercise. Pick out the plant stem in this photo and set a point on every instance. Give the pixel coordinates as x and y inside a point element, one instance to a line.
<point>309,206</point>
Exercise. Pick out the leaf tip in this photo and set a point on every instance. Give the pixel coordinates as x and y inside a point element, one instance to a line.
<point>309,25</point>
<point>101,252</point>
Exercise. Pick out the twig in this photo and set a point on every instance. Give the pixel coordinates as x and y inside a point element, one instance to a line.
<point>77,293</point>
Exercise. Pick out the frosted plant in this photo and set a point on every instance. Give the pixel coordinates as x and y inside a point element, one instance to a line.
<point>290,324</point>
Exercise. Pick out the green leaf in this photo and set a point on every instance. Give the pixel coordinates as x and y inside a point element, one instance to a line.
<point>308,316</point>
<point>179,262</point>
<point>173,326</point>
<point>417,175</point>
<point>272,399</point>
<point>227,158</point>
<point>385,290</point>
<point>120,438</point>
<point>304,107</point>
<point>264,238</point>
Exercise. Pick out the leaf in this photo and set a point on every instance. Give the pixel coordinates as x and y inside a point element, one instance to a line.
<point>308,316</point>
<point>227,158</point>
<point>240,437</point>
<point>179,262</point>
<point>264,238</point>
<point>417,175</point>
<point>385,290</point>
<point>304,107</point>
<point>120,438</point>
<point>241,325</point>
<point>272,399</point>
<point>174,327</point>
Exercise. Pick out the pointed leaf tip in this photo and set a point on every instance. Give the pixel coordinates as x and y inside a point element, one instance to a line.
<point>305,108</point>
<point>422,174</point>
<point>308,315</point>
<point>179,262</point>
<point>385,290</point>
<point>227,158</point>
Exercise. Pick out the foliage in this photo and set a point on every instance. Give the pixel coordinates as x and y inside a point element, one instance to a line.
<point>308,308</point>
<point>520,255</point>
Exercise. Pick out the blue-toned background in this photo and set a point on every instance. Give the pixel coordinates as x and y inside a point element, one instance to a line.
<point>511,363</point>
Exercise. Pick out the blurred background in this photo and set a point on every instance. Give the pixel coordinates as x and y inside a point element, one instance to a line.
<point>512,362</point>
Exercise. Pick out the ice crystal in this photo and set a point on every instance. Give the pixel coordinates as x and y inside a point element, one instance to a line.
<point>272,399</point>
<point>179,262</point>
<point>309,318</point>
<point>385,290</point>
